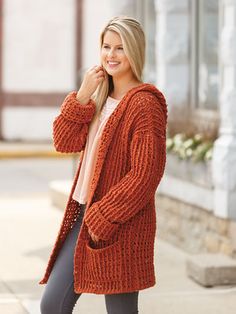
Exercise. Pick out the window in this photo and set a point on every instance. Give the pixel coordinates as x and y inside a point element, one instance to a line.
<point>204,54</point>
<point>144,12</point>
<point>147,15</point>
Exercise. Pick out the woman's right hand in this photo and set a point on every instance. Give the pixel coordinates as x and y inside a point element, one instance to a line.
<point>92,78</point>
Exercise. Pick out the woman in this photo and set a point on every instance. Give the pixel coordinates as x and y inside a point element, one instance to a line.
<point>105,244</point>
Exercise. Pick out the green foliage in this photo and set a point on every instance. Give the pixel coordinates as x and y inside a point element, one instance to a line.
<point>195,148</point>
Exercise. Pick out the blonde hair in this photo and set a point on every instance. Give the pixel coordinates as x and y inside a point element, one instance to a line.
<point>133,40</point>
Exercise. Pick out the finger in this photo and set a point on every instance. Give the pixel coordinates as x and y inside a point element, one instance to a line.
<point>101,70</point>
<point>95,238</point>
<point>100,75</point>
<point>98,68</point>
<point>99,79</point>
<point>91,235</point>
<point>93,68</point>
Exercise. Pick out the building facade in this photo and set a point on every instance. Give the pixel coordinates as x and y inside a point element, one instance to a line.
<point>40,55</point>
<point>196,58</point>
<point>190,56</point>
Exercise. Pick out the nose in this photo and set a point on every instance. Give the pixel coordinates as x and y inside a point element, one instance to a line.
<point>111,53</point>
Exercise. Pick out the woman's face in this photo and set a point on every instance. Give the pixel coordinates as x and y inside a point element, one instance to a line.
<point>113,58</point>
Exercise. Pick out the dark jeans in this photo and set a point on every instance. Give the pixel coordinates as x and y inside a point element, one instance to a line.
<point>59,296</point>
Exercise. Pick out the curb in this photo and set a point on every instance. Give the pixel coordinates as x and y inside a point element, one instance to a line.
<point>33,149</point>
<point>9,155</point>
<point>34,154</point>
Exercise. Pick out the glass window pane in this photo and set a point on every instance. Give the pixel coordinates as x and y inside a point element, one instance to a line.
<point>150,31</point>
<point>208,54</point>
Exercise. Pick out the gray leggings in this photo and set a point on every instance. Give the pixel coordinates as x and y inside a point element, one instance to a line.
<point>59,296</point>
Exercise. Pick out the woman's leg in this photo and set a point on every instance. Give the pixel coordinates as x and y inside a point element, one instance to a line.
<point>122,303</point>
<point>59,296</point>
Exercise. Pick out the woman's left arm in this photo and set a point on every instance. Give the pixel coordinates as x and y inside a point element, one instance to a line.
<point>148,157</point>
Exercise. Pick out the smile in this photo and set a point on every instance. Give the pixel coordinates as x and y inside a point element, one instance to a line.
<point>113,63</point>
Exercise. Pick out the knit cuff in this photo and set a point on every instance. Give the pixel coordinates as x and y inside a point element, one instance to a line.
<point>72,110</point>
<point>100,226</point>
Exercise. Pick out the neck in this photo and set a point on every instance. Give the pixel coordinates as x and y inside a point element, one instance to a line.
<point>122,85</point>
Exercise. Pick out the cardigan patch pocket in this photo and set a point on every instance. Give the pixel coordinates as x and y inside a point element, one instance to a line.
<point>105,263</point>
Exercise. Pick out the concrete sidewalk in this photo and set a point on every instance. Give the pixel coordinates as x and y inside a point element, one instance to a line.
<point>28,228</point>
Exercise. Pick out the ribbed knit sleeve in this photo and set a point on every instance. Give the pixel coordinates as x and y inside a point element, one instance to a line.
<point>70,127</point>
<point>138,186</point>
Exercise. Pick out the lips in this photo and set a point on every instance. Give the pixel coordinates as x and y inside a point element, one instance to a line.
<point>112,64</point>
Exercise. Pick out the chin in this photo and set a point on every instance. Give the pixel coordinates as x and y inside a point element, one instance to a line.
<point>116,73</point>
<point>111,73</point>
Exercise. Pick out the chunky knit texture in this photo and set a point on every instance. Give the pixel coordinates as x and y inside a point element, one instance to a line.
<point>121,202</point>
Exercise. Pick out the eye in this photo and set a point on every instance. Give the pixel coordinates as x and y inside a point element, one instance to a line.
<point>121,48</point>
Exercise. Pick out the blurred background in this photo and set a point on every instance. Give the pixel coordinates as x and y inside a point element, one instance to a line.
<point>45,47</point>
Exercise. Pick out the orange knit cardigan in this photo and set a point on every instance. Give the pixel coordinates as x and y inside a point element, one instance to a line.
<point>121,200</point>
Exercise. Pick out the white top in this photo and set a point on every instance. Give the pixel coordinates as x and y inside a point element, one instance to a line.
<point>90,152</point>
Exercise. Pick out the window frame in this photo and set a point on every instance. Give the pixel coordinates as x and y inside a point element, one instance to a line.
<point>142,14</point>
<point>204,116</point>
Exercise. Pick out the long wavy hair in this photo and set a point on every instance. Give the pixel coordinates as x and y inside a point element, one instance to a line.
<point>133,40</point>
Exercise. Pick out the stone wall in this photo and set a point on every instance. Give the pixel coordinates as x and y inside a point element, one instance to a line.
<point>194,229</point>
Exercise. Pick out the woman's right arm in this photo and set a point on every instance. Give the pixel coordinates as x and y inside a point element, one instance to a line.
<point>70,127</point>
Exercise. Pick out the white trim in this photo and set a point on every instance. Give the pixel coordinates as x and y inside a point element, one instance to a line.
<point>194,40</point>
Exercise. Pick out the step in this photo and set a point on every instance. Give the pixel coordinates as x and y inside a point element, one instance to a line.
<point>211,269</point>
<point>59,191</point>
